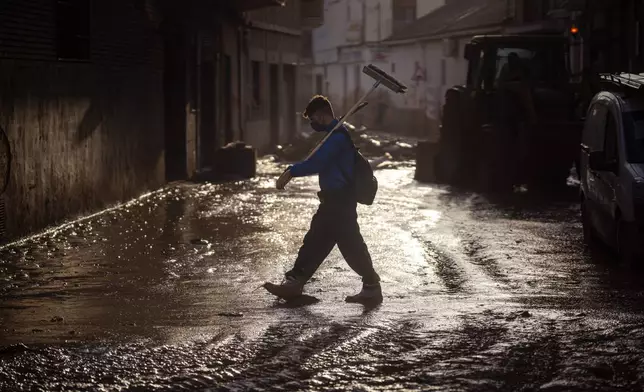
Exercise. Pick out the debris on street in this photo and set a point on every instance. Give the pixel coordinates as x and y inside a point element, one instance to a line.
<point>376,146</point>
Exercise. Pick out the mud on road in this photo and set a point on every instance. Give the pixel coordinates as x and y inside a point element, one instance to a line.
<point>165,294</point>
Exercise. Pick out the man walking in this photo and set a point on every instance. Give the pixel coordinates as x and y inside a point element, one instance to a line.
<point>335,221</point>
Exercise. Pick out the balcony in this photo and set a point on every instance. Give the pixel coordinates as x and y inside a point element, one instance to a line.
<point>312,13</point>
<point>249,5</point>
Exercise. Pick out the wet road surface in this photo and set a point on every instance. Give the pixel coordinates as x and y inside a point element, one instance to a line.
<point>165,294</point>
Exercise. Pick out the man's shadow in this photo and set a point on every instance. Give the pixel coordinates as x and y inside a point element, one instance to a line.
<point>370,308</point>
<point>298,302</point>
<point>307,300</point>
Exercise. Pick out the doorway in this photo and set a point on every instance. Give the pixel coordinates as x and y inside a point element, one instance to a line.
<point>356,82</point>
<point>357,92</point>
<point>290,112</point>
<point>227,100</point>
<point>274,106</point>
<point>174,91</point>
<point>345,87</point>
<point>207,120</point>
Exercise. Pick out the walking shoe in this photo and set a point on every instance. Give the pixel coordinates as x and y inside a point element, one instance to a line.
<point>290,288</point>
<point>371,294</point>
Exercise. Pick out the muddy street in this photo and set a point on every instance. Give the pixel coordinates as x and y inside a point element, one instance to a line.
<point>165,293</point>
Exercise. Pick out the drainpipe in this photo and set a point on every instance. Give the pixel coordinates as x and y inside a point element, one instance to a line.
<point>240,79</point>
<point>218,73</point>
<point>267,79</point>
<point>197,91</point>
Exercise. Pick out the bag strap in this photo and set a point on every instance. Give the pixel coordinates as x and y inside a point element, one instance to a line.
<point>344,173</point>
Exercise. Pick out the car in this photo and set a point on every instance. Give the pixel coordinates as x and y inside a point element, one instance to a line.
<point>611,167</point>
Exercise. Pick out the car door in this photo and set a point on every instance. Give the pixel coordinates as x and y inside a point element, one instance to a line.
<point>608,181</point>
<point>593,140</point>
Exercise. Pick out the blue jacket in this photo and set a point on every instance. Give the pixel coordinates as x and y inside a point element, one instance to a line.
<point>337,151</point>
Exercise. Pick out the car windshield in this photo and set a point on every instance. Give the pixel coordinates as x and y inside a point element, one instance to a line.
<point>634,136</point>
<point>540,63</point>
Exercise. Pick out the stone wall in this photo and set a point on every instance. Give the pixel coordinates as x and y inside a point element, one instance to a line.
<point>82,137</point>
<point>85,132</point>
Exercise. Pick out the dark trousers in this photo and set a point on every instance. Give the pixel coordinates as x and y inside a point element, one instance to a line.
<point>335,222</point>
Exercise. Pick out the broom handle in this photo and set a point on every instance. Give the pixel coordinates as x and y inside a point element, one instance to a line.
<point>344,119</point>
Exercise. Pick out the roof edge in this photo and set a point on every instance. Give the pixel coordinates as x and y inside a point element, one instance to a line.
<point>448,34</point>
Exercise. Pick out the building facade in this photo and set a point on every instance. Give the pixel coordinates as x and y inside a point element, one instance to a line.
<point>351,38</point>
<point>81,103</point>
<point>428,55</point>
<point>104,100</point>
<point>279,70</point>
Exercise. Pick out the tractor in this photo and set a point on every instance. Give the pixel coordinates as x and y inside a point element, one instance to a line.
<point>515,121</point>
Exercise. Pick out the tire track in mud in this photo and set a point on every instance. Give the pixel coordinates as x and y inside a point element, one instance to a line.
<point>516,252</point>
<point>458,268</point>
<point>438,260</point>
<point>454,266</point>
<point>481,353</point>
<point>478,238</point>
<point>446,267</point>
<point>477,252</point>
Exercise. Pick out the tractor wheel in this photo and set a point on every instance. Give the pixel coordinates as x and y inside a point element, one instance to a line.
<point>590,237</point>
<point>554,177</point>
<point>626,242</point>
<point>449,161</point>
<point>439,168</point>
<point>491,177</point>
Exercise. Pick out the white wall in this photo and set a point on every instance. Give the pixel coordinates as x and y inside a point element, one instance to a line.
<point>342,24</point>
<point>378,20</point>
<point>338,49</point>
<point>345,22</point>
<point>424,7</point>
<point>425,94</point>
<point>335,85</point>
<point>332,33</point>
<point>402,66</point>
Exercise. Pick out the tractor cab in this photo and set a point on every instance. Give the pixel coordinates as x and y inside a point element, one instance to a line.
<point>519,79</point>
<point>520,103</point>
<point>495,60</point>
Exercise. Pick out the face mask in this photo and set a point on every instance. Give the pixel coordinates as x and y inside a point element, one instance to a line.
<point>318,127</point>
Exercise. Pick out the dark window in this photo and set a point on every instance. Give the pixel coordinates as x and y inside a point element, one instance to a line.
<point>634,136</point>
<point>72,29</point>
<point>404,13</point>
<point>611,148</point>
<point>474,68</point>
<point>410,14</point>
<point>543,63</point>
<point>393,67</point>
<point>227,98</point>
<point>307,44</point>
<point>535,10</point>
<point>595,127</point>
<point>257,82</point>
<point>318,84</point>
